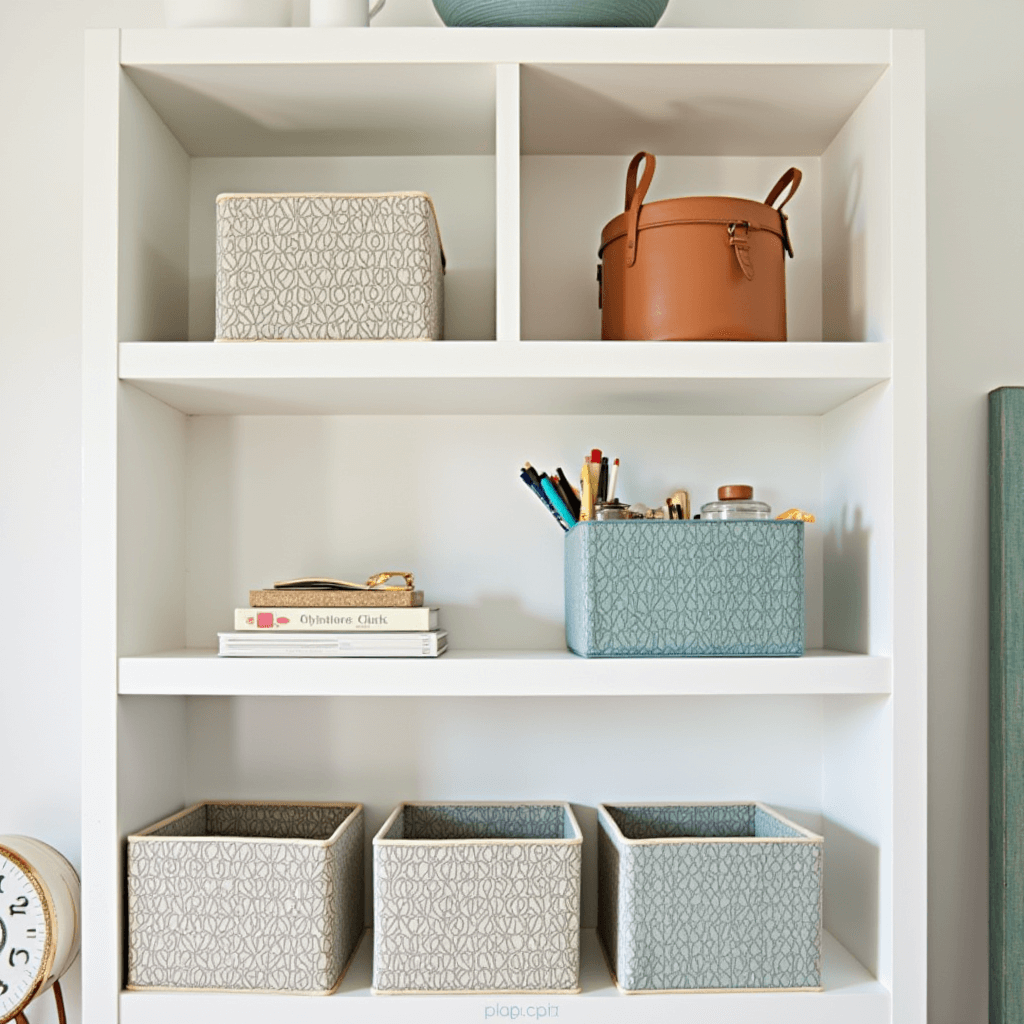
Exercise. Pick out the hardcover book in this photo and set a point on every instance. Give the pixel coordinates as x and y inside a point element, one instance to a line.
<point>333,645</point>
<point>332,620</point>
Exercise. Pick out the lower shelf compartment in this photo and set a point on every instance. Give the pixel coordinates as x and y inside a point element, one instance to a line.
<point>850,996</point>
<point>500,674</point>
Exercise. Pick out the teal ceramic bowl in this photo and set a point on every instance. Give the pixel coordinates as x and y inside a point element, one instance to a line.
<point>552,13</point>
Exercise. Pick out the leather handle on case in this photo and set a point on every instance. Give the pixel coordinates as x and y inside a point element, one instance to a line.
<point>792,177</point>
<point>635,196</point>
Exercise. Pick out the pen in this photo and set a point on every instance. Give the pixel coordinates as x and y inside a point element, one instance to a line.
<point>564,495</point>
<point>539,492</point>
<point>569,494</point>
<point>555,499</point>
<point>613,480</point>
<point>602,481</point>
<point>586,493</point>
<point>532,480</point>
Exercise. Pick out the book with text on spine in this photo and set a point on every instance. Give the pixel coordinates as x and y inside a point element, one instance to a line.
<point>336,620</point>
<point>333,645</point>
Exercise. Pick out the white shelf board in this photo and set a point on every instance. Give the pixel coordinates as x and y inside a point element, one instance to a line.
<point>618,378</point>
<point>431,90</point>
<point>501,674</point>
<point>789,47</point>
<point>850,996</point>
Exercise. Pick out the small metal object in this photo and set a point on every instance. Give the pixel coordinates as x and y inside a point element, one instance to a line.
<point>607,510</point>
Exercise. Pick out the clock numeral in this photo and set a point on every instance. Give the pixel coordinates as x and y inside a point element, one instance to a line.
<point>30,934</point>
<point>3,989</point>
<point>2,877</point>
<point>19,952</point>
<point>20,905</point>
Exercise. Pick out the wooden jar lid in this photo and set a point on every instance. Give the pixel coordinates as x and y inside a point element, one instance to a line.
<point>735,492</point>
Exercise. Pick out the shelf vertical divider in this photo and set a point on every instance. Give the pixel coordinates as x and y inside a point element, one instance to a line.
<point>101,895</point>
<point>910,582</point>
<point>507,154</point>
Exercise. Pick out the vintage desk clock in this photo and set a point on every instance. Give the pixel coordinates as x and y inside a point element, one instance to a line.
<point>39,924</point>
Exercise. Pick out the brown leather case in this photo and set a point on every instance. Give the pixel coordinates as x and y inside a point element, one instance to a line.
<point>695,269</point>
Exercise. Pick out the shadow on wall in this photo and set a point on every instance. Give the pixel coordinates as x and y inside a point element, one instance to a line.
<point>844,313</point>
<point>851,892</point>
<point>847,583</point>
<point>851,885</point>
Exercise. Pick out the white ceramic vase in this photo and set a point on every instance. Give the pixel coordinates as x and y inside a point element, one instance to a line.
<point>219,13</point>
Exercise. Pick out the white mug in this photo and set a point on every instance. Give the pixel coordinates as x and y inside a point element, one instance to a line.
<point>336,13</point>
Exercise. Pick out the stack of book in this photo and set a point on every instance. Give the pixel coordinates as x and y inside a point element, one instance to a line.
<point>327,621</point>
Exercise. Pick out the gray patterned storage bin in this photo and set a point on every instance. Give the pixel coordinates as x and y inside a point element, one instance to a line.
<point>698,897</point>
<point>246,897</point>
<point>477,898</point>
<point>694,588</point>
<point>323,266</point>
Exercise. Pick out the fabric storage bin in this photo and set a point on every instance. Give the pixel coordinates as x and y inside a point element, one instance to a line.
<point>323,266</point>
<point>689,588</point>
<point>477,898</point>
<point>708,897</point>
<point>246,897</point>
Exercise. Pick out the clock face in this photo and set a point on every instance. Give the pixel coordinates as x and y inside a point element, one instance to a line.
<point>23,936</point>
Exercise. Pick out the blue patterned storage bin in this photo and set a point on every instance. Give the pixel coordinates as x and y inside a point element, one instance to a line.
<point>477,898</point>
<point>649,588</point>
<point>702,897</point>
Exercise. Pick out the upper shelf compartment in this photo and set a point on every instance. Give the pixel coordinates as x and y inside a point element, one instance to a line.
<point>522,138</point>
<point>279,110</point>
<point>690,109</point>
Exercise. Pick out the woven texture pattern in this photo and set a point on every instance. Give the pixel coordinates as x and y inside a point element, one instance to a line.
<point>473,915</point>
<point>328,267</point>
<point>647,588</point>
<point>705,915</point>
<point>266,916</point>
<point>572,13</point>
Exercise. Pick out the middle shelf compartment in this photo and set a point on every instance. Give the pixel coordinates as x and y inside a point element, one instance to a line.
<point>214,506</point>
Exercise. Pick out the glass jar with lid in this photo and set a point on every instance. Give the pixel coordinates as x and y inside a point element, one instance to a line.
<point>736,501</point>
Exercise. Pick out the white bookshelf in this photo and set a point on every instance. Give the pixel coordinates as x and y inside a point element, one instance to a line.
<point>211,469</point>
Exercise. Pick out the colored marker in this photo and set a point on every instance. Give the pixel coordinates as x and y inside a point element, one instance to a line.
<point>571,498</point>
<point>555,499</point>
<point>613,479</point>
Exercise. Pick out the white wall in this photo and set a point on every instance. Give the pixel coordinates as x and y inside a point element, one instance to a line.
<point>976,264</point>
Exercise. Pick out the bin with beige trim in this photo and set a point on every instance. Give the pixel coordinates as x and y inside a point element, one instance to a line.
<point>322,266</point>
<point>477,898</point>
<point>246,897</point>
<point>708,897</point>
